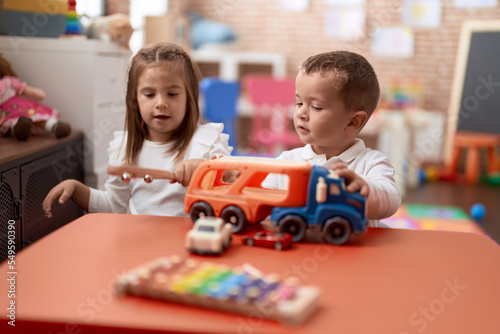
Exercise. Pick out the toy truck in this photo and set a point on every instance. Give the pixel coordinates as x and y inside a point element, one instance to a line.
<point>316,198</point>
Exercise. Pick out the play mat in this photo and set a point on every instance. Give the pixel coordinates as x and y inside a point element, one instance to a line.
<point>432,217</point>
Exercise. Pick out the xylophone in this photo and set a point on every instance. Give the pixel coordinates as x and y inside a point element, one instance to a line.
<point>242,289</point>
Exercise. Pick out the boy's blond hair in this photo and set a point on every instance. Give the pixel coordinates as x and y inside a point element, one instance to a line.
<point>353,76</point>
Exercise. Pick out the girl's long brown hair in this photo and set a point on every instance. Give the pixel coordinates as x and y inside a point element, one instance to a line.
<point>154,55</point>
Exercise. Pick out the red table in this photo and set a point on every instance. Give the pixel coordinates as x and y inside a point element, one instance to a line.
<point>387,281</point>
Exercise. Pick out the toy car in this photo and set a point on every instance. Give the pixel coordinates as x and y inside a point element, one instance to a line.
<point>209,235</point>
<point>265,238</point>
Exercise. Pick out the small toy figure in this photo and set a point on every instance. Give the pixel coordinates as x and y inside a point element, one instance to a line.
<point>265,238</point>
<point>18,114</point>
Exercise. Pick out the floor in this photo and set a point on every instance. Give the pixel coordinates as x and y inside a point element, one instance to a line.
<point>463,196</point>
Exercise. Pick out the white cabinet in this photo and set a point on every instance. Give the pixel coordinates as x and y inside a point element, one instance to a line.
<point>229,62</point>
<point>85,80</point>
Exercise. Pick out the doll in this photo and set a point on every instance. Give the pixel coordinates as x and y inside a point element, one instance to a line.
<point>21,114</point>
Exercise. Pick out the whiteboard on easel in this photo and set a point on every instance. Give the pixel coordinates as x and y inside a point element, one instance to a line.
<point>475,96</point>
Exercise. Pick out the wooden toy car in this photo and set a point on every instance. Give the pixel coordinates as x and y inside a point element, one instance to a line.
<point>265,238</point>
<point>209,235</point>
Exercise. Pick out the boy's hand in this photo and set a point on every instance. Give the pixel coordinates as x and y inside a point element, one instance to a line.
<point>354,182</point>
<point>63,191</point>
<point>184,171</point>
<point>229,176</point>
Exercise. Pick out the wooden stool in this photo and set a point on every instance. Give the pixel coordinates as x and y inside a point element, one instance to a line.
<point>472,142</point>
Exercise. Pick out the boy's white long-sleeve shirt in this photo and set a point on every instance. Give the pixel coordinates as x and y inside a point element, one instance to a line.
<point>384,198</point>
<point>159,197</point>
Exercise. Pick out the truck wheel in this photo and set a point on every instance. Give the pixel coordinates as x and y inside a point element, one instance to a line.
<point>249,242</point>
<point>234,216</point>
<point>200,209</point>
<point>294,225</point>
<point>337,230</point>
<point>278,246</point>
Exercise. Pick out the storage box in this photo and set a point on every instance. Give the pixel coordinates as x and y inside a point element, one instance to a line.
<point>167,28</point>
<point>33,18</point>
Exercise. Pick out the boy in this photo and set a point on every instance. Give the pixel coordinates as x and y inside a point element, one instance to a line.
<point>336,93</point>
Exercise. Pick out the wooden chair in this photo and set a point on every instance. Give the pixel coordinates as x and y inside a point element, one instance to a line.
<point>472,143</point>
<point>219,99</point>
<point>273,100</point>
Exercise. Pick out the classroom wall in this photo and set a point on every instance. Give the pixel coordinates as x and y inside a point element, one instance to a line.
<point>118,6</point>
<point>261,26</point>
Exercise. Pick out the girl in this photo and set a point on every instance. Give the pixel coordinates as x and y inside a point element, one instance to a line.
<point>163,131</point>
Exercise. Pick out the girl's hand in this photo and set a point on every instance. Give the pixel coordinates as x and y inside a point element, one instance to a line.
<point>184,171</point>
<point>62,191</point>
<point>354,182</point>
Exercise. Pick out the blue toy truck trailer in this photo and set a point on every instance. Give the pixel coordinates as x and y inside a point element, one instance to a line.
<point>329,210</point>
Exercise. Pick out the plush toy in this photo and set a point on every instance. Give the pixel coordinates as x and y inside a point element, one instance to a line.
<point>115,27</point>
<point>21,114</point>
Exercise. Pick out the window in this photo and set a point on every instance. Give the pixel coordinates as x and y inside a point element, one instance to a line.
<point>213,178</point>
<point>208,180</point>
<point>206,228</point>
<point>334,189</point>
<point>138,10</point>
<point>90,8</point>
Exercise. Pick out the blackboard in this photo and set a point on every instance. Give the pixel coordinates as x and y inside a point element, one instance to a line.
<point>480,102</point>
<point>475,96</point>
